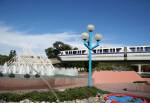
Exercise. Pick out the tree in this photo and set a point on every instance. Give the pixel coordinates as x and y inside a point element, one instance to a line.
<point>61,46</point>
<point>75,48</point>
<point>56,52</point>
<point>12,54</point>
<point>3,59</point>
<point>52,52</point>
<point>58,45</point>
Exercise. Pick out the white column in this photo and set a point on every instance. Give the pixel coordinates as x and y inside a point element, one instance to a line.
<point>139,68</point>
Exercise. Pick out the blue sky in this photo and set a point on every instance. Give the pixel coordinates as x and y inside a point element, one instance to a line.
<point>39,23</point>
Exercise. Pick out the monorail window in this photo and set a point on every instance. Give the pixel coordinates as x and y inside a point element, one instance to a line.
<point>70,52</point>
<point>94,51</point>
<point>79,52</point>
<point>139,49</point>
<point>100,51</point>
<point>111,50</point>
<point>66,52</point>
<point>147,49</point>
<point>118,50</point>
<point>105,50</point>
<point>132,49</point>
<point>83,51</point>
<point>74,52</point>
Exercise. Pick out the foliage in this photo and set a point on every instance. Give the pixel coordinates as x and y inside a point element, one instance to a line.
<point>75,48</point>
<point>61,46</point>
<point>10,97</point>
<point>74,64</point>
<point>146,68</point>
<point>1,74</point>
<point>11,75</point>
<point>50,52</point>
<point>144,75</point>
<point>113,66</point>
<point>37,75</point>
<point>58,46</point>
<point>68,94</point>
<point>97,65</point>
<point>5,58</point>
<point>12,54</point>
<point>27,76</point>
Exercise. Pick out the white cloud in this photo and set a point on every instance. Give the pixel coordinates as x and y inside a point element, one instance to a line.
<point>10,39</point>
<point>38,42</point>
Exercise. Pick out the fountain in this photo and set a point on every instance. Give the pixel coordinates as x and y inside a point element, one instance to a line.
<point>124,98</point>
<point>29,63</point>
<point>66,72</point>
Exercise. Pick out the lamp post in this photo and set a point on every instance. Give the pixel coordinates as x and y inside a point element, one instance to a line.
<point>87,39</point>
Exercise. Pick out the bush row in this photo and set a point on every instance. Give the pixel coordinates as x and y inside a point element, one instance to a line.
<point>11,75</point>
<point>145,75</point>
<point>68,94</point>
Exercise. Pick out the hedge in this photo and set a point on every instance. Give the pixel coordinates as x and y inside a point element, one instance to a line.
<point>1,74</point>
<point>68,94</point>
<point>11,75</point>
<point>27,76</point>
<point>37,75</point>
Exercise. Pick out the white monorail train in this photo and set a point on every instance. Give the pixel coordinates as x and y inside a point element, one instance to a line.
<point>108,53</point>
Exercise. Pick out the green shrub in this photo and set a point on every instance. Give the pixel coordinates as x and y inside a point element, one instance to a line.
<point>1,74</point>
<point>10,97</point>
<point>144,75</point>
<point>11,75</point>
<point>37,75</point>
<point>68,94</point>
<point>27,76</point>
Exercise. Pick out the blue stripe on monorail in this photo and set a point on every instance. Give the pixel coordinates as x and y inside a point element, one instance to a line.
<point>104,53</point>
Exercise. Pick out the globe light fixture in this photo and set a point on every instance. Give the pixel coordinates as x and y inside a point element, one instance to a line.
<point>90,27</point>
<point>87,38</point>
<point>98,37</point>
